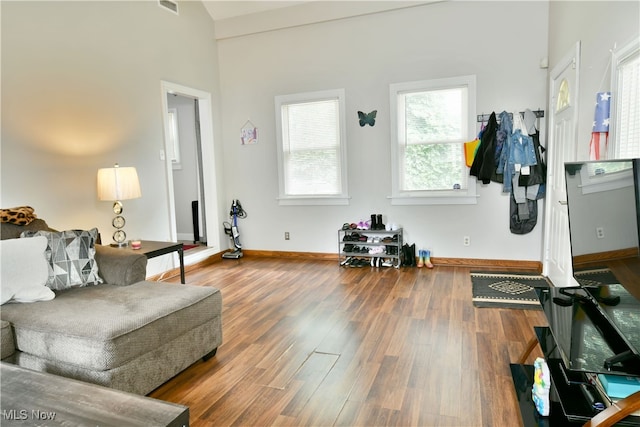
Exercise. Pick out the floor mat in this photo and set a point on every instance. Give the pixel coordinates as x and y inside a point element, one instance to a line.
<point>595,277</point>
<point>507,290</point>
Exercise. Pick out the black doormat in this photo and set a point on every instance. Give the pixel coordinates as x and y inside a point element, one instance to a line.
<point>595,277</point>
<point>507,290</point>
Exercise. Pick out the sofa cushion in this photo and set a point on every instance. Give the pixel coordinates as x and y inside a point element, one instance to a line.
<point>13,231</point>
<point>105,326</point>
<point>6,339</point>
<point>71,256</point>
<point>24,270</point>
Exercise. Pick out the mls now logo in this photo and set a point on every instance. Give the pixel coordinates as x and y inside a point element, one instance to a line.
<point>23,414</point>
<point>15,414</point>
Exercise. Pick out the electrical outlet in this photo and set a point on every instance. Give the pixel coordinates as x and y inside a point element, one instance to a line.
<point>466,240</point>
<point>286,235</point>
<point>600,232</point>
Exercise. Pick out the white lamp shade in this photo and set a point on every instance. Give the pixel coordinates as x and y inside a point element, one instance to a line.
<point>118,184</point>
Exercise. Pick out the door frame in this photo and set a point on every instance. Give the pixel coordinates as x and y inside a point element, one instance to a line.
<point>208,159</point>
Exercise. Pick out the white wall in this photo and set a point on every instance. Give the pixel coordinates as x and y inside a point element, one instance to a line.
<point>614,210</point>
<point>81,91</point>
<point>600,26</point>
<point>501,42</point>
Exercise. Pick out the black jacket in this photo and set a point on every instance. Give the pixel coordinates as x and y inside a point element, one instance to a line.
<point>484,164</point>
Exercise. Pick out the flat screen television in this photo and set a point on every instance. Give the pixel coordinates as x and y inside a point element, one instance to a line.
<point>597,327</point>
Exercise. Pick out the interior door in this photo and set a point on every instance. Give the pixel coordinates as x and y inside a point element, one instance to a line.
<point>561,148</point>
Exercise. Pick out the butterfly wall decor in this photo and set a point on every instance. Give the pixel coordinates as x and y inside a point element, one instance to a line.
<point>367,119</point>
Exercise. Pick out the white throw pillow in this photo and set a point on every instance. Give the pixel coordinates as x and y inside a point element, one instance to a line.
<point>24,270</point>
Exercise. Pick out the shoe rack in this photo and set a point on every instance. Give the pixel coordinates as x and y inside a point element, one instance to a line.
<point>370,248</point>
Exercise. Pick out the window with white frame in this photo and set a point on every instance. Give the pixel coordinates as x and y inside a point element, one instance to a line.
<point>430,122</point>
<point>625,88</point>
<point>311,148</point>
<point>174,140</point>
<point>607,175</point>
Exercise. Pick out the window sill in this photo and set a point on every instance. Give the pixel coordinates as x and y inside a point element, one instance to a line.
<point>314,201</point>
<point>441,200</point>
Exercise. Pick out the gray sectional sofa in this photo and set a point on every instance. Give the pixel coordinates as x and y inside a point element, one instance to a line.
<point>126,333</point>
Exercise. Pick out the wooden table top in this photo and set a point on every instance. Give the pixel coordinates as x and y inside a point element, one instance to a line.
<point>37,398</point>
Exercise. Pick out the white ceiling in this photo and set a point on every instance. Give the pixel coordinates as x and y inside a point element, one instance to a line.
<point>223,9</point>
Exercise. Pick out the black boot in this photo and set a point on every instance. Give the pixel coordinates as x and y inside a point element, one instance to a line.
<point>374,223</point>
<point>406,256</point>
<point>412,255</point>
<point>379,222</point>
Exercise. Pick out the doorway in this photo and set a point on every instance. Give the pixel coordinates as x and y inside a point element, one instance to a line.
<point>185,154</point>
<point>190,167</point>
<point>561,148</point>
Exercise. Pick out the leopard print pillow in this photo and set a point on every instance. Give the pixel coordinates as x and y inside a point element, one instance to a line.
<point>22,215</point>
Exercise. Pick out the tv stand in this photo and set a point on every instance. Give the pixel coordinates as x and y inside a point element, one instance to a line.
<point>575,400</point>
<point>615,413</point>
<point>625,356</point>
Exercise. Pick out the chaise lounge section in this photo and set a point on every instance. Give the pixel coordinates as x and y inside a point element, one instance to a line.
<point>127,333</point>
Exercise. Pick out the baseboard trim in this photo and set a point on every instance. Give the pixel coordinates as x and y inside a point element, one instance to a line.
<point>598,259</point>
<point>480,264</point>
<point>491,264</point>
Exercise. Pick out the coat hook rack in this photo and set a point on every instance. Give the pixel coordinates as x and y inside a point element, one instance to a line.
<point>482,118</point>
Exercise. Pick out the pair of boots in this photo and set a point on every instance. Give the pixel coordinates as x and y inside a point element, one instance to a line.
<point>424,258</point>
<point>376,222</point>
<point>409,255</point>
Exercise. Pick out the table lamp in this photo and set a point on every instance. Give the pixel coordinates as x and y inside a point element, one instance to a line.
<point>117,184</point>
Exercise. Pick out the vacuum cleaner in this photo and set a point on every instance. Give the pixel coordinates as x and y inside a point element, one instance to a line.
<point>231,230</point>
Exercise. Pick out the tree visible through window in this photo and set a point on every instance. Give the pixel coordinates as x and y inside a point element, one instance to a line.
<point>432,123</point>
<point>433,157</point>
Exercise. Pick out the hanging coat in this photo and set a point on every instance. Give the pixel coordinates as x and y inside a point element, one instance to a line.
<point>522,224</point>
<point>538,173</point>
<point>484,164</point>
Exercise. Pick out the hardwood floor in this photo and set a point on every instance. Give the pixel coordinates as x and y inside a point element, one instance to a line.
<point>311,343</point>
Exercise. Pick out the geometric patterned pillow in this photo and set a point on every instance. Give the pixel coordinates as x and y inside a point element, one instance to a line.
<point>71,257</point>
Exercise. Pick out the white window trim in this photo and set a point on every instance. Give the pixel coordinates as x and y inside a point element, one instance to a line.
<point>605,182</point>
<point>338,199</point>
<point>618,58</point>
<point>454,197</point>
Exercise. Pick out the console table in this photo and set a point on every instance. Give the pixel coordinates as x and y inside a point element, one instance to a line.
<point>31,398</point>
<point>152,249</point>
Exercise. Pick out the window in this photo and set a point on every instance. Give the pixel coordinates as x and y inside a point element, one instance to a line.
<point>625,88</point>
<point>311,148</point>
<point>608,175</point>
<point>174,140</point>
<point>430,122</point>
